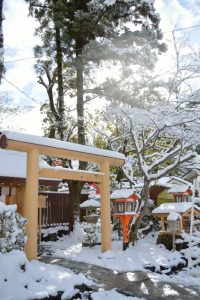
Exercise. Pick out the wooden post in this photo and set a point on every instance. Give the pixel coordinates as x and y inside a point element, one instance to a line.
<point>31,203</point>
<point>41,205</point>
<point>181,223</point>
<point>105,208</point>
<point>20,194</point>
<point>40,222</point>
<point>162,224</point>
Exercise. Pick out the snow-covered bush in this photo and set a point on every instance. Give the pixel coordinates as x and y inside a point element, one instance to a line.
<point>88,233</point>
<point>93,234</point>
<point>12,233</point>
<point>78,232</point>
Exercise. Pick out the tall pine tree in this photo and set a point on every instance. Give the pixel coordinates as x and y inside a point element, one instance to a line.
<point>76,34</point>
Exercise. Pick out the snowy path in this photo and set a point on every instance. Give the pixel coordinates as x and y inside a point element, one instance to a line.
<point>136,284</point>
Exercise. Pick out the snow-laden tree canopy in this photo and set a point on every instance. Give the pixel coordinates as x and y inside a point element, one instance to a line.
<point>159,139</point>
<point>7,109</point>
<point>156,142</point>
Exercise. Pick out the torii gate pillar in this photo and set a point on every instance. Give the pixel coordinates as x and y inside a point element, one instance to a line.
<point>105,208</point>
<point>31,203</point>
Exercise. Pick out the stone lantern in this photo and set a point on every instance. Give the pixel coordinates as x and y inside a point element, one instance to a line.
<point>174,225</point>
<point>174,222</point>
<point>92,210</point>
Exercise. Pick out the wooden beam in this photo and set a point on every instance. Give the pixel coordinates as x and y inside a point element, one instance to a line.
<point>105,208</point>
<point>71,174</point>
<point>160,215</point>
<point>21,146</point>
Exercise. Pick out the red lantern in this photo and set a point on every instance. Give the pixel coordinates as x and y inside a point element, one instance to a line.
<point>125,210</point>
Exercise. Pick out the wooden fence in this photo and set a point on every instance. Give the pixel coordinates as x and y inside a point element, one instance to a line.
<point>57,210</point>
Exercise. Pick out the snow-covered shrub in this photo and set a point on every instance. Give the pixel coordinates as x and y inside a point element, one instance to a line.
<point>92,233</point>
<point>78,232</point>
<point>53,233</point>
<point>12,233</point>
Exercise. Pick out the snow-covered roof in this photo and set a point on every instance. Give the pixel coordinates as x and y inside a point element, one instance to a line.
<point>13,163</point>
<point>122,194</point>
<point>166,208</point>
<point>178,180</point>
<point>162,181</point>
<point>168,181</point>
<point>90,203</point>
<point>173,216</point>
<point>178,188</point>
<point>43,141</point>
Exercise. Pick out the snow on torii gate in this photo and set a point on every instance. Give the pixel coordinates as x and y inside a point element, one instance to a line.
<point>35,146</point>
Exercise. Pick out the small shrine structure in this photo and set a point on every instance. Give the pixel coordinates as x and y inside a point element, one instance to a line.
<point>183,209</point>
<point>170,189</point>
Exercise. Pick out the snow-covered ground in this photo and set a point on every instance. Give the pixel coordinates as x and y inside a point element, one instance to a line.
<point>144,253</point>
<point>21,279</point>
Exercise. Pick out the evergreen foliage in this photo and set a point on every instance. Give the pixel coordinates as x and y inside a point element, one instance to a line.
<point>12,234</point>
<point>76,35</point>
<point>92,233</point>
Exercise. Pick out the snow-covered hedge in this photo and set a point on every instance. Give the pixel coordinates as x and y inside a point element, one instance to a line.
<point>12,233</point>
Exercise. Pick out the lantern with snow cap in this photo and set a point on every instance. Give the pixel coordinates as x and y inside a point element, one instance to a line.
<point>126,203</point>
<point>91,207</point>
<point>174,222</point>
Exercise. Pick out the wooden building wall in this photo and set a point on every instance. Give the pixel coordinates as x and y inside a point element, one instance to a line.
<point>154,192</point>
<point>58,210</point>
<point>165,197</point>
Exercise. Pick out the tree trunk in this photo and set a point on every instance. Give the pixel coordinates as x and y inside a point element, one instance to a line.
<point>79,85</point>
<point>59,62</point>
<point>75,188</point>
<point>80,106</point>
<point>1,40</point>
<point>80,102</point>
<point>134,229</point>
<point>52,130</point>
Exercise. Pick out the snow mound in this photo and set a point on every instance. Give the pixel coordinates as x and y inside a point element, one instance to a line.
<point>35,280</point>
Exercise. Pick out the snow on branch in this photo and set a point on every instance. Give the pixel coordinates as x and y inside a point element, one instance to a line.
<point>172,166</point>
<point>161,138</point>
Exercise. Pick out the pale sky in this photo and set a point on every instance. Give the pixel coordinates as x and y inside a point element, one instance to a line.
<point>19,41</point>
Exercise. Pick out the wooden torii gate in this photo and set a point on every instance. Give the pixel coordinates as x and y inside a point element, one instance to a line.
<point>35,146</point>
